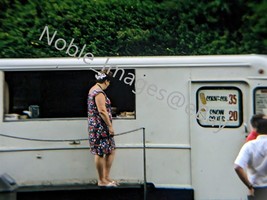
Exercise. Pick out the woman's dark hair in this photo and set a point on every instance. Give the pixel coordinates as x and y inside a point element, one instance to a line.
<point>104,75</point>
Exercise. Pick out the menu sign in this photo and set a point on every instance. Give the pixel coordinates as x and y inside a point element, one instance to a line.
<point>261,100</point>
<point>219,107</point>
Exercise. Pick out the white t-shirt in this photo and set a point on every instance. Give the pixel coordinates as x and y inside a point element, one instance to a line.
<point>253,157</point>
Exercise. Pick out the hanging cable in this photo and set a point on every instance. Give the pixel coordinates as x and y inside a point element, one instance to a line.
<point>63,140</point>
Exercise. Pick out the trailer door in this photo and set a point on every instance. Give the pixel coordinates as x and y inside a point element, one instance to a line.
<point>217,134</point>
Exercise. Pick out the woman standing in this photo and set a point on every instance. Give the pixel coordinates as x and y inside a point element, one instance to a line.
<point>101,132</point>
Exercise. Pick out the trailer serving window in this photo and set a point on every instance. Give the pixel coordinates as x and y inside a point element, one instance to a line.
<point>219,107</point>
<point>260,100</point>
<point>61,94</point>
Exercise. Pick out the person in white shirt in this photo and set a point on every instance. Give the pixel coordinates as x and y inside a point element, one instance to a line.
<point>251,164</point>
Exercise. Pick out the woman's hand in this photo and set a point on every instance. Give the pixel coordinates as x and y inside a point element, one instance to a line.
<point>111,130</point>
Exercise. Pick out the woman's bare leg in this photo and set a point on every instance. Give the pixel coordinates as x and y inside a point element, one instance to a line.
<point>100,165</point>
<point>107,165</point>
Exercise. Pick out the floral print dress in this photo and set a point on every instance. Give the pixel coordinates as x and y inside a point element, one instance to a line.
<point>100,141</point>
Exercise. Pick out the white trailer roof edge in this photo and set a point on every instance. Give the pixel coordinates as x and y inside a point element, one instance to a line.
<point>128,62</point>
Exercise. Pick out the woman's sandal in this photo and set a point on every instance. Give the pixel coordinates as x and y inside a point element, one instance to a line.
<point>115,183</point>
<point>109,185</point>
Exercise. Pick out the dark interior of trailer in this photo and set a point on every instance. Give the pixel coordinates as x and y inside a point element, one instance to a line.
<point>62,94</point>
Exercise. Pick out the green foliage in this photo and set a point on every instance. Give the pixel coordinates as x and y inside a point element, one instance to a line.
<point>255,28</point>
<point>133,28</point>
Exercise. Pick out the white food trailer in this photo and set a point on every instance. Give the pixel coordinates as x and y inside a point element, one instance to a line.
<point>194,110</point>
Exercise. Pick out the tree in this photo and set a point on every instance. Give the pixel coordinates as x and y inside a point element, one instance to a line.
<point>132,27</point>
